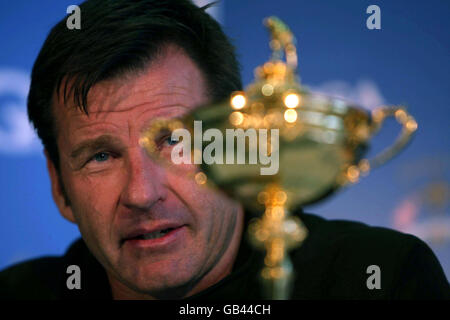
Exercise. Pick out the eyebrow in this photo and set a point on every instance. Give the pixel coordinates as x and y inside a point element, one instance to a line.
<point>92,145</point>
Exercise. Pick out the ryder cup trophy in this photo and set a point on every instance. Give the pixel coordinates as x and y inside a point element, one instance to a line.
<point>274,147</point>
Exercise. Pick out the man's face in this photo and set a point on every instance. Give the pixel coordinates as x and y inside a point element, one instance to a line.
<point>118,194</point>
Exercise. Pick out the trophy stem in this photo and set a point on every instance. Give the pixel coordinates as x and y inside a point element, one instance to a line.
<point>276,232</point>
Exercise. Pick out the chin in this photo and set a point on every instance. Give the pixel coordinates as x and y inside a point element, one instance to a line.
<point>163,283</point>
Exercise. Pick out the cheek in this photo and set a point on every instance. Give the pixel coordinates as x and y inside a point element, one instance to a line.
<point>207,206</point>
<point>94,201</point>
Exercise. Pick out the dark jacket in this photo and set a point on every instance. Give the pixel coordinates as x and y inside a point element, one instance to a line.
<point>331,264</point>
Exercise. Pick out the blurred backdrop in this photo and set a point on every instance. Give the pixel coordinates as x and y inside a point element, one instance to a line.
<point>405,62</point>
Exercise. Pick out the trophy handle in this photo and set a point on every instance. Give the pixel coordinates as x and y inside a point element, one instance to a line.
<point>409,126</point>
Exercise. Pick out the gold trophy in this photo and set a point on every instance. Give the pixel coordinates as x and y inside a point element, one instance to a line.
<point>319,143</point>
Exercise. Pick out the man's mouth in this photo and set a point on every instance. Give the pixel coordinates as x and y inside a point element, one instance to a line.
<point>156,237</point>
<point>153,235</point>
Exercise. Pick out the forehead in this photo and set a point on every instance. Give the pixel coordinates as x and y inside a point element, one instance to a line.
<point>172,80</point>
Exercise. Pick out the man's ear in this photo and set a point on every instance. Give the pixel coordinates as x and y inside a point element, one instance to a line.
<point>59,195</point>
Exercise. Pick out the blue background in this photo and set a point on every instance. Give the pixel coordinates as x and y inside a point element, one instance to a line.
<point>407,61</point>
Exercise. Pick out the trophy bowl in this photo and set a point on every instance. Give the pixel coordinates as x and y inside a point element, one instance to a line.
<point>317,142</point>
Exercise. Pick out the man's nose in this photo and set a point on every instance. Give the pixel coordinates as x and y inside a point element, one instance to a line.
<point>146,182</point>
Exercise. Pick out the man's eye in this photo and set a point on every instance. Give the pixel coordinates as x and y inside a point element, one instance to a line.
<point>101,157</point>
<point>171,141</point>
